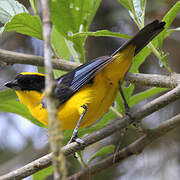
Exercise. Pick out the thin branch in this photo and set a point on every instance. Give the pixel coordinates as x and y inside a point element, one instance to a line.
<point>113,127</point>
<point>29,169</point>
<point>154,79</point>
<point>55,134</point>
<point>132,149</point>
<point>23,158</point>
<point>11,57</point>
<point>157,104</point>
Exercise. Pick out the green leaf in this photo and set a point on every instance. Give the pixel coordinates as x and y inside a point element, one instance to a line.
<point>58,73</point>
<point>139,59</point>
<point>9,103</point>
<point>142,55</point>
<point>60,45</point>
<point>70,17</point>
<point>127,91</point>
<point>34,6</point>
<point>168,18</point>
<point>94,5</point>
<point>25,23</point>
<point>101,123</point>
<point>41,69</point>
<point>9,8</point>
<point>16,18</point>
<point>41,175</point>
<point>145,95</point>
<point>137,11</point>
<point>169,31</point>
<point>120,103</point>
<point>102,33</point>
<point>103,151</point>
<point>157,41</point>
<point>126,3</point>
<point>163,62</point>
<point>61,48</point>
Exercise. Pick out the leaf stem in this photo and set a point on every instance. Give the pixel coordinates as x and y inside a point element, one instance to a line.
<point>80,159</point>
<point>116,112</point>
<point>154,50</point>
<point>72,50</point>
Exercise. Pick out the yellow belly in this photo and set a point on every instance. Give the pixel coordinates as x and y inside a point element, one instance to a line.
<point>97,98</point>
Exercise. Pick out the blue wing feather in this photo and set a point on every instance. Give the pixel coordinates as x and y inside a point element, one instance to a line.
<point>81,75</point>
<point>74,80</point>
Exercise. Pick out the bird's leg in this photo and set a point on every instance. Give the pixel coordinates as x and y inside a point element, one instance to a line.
<point>74,137</point>
<point>126,106</point>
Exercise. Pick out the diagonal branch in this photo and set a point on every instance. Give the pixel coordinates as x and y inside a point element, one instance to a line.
<point>132,149</point>
<point>113,127</point>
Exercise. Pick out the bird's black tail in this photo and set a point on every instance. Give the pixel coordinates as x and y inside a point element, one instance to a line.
<point>144,36</point>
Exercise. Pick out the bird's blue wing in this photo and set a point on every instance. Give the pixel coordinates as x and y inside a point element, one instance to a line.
<point>71,82</point>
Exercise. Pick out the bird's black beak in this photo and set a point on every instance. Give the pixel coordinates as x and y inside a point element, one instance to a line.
<point>12,84</point>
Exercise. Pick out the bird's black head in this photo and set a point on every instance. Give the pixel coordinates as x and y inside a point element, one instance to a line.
<point>28,81</point>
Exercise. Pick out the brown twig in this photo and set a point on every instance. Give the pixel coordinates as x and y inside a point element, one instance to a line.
<point>11,57</point>
<point>117,125</point>
<point>154,79</point>
<point>55,135</point>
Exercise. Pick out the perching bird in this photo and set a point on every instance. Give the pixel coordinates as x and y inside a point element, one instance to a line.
<point>86,93</point>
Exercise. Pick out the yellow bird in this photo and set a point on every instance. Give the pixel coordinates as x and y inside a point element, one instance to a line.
<point>86,93</point>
